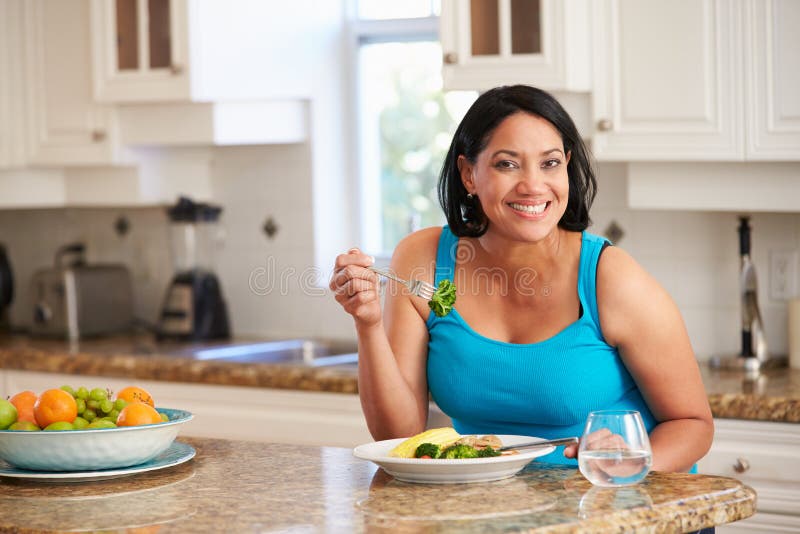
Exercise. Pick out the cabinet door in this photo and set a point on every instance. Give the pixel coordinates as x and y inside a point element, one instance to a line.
<point>140,50</point>
<point>666,80</point>
<point>486,43</point>
<point>12,144</point>
<point>773,78</point>
<point>65,125</point>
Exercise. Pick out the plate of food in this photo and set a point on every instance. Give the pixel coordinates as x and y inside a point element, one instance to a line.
<point>442,456</point>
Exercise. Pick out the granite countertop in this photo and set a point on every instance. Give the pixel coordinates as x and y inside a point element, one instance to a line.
<point>772,396</point>
<point>236,486</point>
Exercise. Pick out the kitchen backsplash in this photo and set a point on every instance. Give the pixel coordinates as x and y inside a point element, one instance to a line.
<point>267,280</point>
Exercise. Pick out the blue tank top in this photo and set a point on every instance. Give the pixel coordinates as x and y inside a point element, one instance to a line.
<point>544,389</point>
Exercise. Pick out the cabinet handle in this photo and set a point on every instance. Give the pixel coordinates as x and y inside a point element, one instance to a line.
<point>741,465</point>
<point>176,69</point>
<point>98,136</point>
<point>450,58</point>
<point>605,125</point>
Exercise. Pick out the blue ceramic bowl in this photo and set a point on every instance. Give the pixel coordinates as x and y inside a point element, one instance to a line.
<point>90,450</point>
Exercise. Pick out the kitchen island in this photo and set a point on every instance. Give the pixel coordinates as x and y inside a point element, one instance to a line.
<point>236,486</point>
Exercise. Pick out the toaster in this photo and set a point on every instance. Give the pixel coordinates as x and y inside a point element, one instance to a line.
<point>82,300</point>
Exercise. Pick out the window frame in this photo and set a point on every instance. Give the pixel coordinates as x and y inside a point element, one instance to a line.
<point>365,32</point>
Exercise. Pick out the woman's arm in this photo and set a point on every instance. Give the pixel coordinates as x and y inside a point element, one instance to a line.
<point>392,345</point>
<point>642,321</point>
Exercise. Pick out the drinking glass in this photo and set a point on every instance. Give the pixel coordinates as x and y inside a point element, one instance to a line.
<point>614,449</point>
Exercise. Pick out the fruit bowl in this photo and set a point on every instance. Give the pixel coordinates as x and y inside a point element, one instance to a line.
<point>90,450</point>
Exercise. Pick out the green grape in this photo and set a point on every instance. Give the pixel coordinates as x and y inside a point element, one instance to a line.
<point>101,423</point>
<point>164,417</point>
<point>89,414</point>
<point>80,423</point>
<point>119,404</point>
<point>106,406</point>
<point>113,414</point>
<point>93,405</point>
<point>59,425</point>
<point>98,394</point>
<point>81,405</point>
<point>69,390</point>
<point>82,393</point>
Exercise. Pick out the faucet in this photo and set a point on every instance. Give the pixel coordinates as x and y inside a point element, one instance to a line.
<point>754,341</point>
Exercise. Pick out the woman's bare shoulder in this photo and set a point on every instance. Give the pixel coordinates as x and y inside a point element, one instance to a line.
<point>627,294</point>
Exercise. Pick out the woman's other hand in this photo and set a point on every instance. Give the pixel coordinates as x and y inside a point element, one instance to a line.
<point>356,288</point>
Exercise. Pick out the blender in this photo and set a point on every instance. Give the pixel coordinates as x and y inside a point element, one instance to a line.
<point>194,308</point>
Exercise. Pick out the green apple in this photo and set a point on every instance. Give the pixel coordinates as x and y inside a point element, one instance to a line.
<point>59,425</point>
<point>8,414</point>
<point>24,425</point>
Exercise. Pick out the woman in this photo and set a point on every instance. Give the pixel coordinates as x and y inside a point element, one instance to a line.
<point>550,323</point>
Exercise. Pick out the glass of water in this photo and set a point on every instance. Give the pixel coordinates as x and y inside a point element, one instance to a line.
<point>614,449</point>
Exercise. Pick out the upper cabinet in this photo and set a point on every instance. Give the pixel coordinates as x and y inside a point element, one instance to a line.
<point>12,131</point>
<point>772,76</point>
<point>486,43</point>
<point>201,51</point>
<point>692,80</point>
<point>63,123</point>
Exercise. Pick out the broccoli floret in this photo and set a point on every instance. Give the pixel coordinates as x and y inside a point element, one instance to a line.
<point>443,298</point>
<point>427,449</point>
<point>487,452</point>
<point>458,452</point>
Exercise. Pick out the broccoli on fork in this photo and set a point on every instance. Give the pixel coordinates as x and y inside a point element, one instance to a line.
<point>443,298</point>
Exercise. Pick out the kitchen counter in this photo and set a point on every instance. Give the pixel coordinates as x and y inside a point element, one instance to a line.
<point>773,396</point>
<point>235,486</point>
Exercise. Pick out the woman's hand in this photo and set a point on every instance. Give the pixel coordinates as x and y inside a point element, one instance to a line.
<point>356,288</point>
<point>606,440</point>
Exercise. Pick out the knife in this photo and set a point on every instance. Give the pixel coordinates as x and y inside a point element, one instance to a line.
<point>541,443</point>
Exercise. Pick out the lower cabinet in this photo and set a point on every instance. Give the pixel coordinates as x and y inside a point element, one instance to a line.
<point>766,457</point>
<point>230,412</point>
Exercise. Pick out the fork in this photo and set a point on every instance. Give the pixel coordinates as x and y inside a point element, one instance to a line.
<point>416,287</point>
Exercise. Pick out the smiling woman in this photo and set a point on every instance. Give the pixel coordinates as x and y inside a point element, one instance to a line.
<point>565,325</point>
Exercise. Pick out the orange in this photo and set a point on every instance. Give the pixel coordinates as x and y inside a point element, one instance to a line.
<point>24,401</point>
<point>135,394</point>
<point>53,406</point>
<point>138,413</point>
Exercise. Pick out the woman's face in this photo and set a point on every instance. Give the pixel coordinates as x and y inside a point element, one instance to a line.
<point>520,178</point>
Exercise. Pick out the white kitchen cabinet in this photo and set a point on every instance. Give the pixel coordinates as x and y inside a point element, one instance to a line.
<point>765,456</point>
<point>232,412</point>
<point>772,76</point>
<point>12,132</point>
<point>201,51</point>
<point>64,125</point>
<point>696,80</point>
<point>487,43</point>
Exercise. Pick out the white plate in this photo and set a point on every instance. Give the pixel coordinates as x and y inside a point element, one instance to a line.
<point>450,471</point>
<point>177,453</point>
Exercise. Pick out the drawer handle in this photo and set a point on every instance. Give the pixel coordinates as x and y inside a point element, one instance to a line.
<point>741,465</point>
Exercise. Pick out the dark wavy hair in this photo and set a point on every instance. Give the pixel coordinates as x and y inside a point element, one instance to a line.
<point>464,215</point>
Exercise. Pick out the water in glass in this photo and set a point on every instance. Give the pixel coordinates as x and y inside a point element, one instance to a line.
<point>614,450</point>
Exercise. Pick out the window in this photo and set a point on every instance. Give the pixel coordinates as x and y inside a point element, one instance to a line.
<point>405,119</point>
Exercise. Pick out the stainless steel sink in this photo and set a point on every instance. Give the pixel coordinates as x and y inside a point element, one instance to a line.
<point>313,352</point>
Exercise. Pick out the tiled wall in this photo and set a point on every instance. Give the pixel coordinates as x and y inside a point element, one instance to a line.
<point>269,281</point>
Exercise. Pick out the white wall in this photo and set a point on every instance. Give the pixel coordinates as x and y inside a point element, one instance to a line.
<point>693,254</point>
